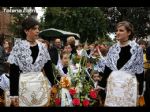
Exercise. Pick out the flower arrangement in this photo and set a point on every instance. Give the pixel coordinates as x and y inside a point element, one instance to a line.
<point>74,89</point>
<point>85,96</point>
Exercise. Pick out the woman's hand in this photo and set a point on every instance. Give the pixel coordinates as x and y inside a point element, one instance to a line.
<point>97,89</point>
<point>15,102</point>
<point>141,101</point>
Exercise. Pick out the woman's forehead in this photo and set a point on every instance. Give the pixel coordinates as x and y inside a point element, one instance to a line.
<point>121,26</point>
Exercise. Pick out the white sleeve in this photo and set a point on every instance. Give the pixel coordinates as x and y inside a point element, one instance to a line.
<point>140,61</point>
<point>12,59</point>
<point>47,55</point>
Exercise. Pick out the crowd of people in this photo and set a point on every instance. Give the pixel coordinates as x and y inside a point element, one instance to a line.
<point>120,73</point>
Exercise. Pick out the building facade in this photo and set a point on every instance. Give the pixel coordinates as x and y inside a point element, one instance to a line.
<point>5,20</point>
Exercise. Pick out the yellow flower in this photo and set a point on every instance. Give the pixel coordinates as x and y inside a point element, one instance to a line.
<point>65,82</point>
<point>54,90</point>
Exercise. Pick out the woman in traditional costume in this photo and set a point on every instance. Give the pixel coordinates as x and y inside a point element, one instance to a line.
<point>28,58</point>
<point>123,70</point>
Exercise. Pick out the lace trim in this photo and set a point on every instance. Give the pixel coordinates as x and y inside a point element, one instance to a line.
<point>21,56</point>
<point>134,64</point>
<point>101,65</point>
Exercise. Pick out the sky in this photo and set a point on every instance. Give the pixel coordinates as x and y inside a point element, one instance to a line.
<point>39,11</point>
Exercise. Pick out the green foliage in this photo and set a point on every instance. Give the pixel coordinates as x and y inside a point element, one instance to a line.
<point>89,22</point>
<point>18,17</point>
<point>138,16</point>
<point>76,58</point>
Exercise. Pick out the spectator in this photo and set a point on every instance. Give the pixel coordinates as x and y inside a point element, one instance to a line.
<point>71,41</point>
<point>2,69</point>
<point>7,47</point>
<point>55,51</point>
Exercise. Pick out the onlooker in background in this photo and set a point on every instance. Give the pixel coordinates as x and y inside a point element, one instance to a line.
<point>55,51</point>
<point>148,53</point>
<point>47,44</point>
<point>79,49</point>
<point>68,49</point>
<point>143,45</point>
<point>86,46</point>
<point>5,86</point>
<point>147,72</point>
<point>7,45</point>
<point>2,69</point>
<point>64,65</point>
<point>91,49</point>
<point>104,50</point>
<point>96,78</point>
<point>71,41</point>
<point>2,54</point>
<point>89,65</point>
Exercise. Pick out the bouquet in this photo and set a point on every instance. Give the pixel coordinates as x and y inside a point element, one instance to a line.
<point>74,89</point>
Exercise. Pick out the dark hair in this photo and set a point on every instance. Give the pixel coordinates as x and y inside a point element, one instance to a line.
<point>142,42</point>
<point>57,38</point>
<point>1,39</point>
<point>80,45</point>
<point>66,44</point>
<point>128,26</point>
<point>47,43</point>
<point>104,51</point>
<point>93,44</point>
<point>28,24</point>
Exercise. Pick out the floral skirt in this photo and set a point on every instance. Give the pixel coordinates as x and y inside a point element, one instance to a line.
<point>33,90</point>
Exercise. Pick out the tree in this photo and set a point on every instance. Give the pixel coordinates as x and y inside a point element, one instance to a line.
<point>89,22</point>
<point>138,16</point>
<point>18,17</point>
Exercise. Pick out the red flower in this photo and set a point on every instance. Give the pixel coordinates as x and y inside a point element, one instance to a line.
<point>57,101</point>
<point>72,91</point>
<point>86,103</point>
<point>76,101</point>
<point>93,94</point>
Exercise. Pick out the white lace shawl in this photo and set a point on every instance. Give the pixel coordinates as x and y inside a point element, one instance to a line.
<point>21,56</point>
<point>134,64</point>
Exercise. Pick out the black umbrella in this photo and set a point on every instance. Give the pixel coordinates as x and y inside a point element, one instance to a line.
<point>50,33</point>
